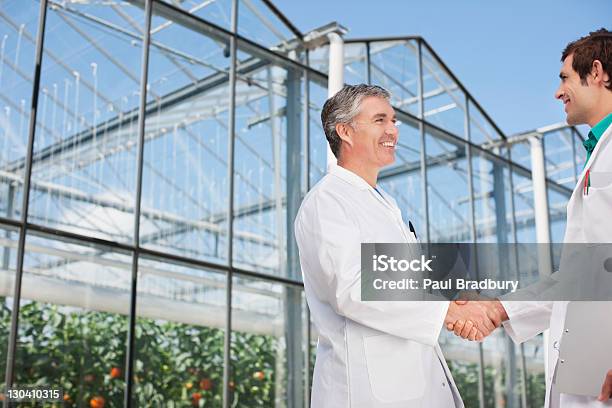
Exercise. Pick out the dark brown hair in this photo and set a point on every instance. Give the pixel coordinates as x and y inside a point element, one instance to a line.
<point>595,46</point>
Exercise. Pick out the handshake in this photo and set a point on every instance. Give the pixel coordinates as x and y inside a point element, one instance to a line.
<point>474,317</point>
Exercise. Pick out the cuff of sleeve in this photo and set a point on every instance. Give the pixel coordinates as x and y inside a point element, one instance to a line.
<point>524,321</point>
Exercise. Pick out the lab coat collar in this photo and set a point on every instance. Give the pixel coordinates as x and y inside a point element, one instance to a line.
<point>349,177</point>
<point>355,180</point>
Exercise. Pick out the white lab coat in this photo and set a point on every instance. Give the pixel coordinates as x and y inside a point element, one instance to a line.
<point>369,354</point>
<point>589,220</point>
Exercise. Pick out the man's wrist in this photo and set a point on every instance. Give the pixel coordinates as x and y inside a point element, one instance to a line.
<point>502,310</point>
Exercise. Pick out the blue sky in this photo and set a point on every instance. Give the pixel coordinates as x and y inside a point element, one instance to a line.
<point>505,53</point>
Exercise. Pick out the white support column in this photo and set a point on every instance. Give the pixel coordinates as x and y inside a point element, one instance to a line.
<point>335,75</point>
<point>542,223</point>
<point>540,199</point>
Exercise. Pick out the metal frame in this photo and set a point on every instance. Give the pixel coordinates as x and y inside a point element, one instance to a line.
<point>144,75</point>
<point>306,182</point>
<point>298,34</point>
<point>227,339</point>
<point>10,357</point>
<point>439,60</point>
<point>423,152</point>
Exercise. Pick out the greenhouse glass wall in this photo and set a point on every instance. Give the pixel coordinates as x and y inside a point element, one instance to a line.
<point>153,155</point>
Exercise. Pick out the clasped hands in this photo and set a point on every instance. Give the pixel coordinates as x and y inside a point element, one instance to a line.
<point>474,317</point>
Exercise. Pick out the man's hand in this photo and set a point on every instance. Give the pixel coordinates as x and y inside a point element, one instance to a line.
<point>606,388</point>
<point>469,320</point>
<point>468,327</point>
<point>495,311</point>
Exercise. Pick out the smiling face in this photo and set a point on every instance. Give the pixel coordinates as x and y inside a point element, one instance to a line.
<point>373,134</point>
<point>579,100</point>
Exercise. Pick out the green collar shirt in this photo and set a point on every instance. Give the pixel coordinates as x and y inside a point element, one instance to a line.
<point>595,134</point>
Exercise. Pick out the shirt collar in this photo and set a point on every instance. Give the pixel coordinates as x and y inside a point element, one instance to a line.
<point>595,134</point>
<point>349,177</point>
<point>601,126</point>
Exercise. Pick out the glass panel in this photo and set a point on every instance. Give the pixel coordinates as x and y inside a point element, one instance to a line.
<point>394,66</point>
<point>268,108</point>
<point>533,351</point>
<point>557,214</point>
<point>580,153</point>
<point>218,12</point>
<point>447,189</point>
<point>8,238</point>
<point>462,357</point>
<point>18,26</point>
<point>521,268</point>
<point>521,154</point>
<point>182,61</point>
<point>402,179</point>
<point>481,129</point>
<point>502,386</point>
<point>492,197</point>
<point>318,142</point>
<point>83,175</point>
<point>184,188</point>
<point>355,69</point>
<point>506,211</point>
<point>179,335</point>
<point>259,24</point>
<point>73,320</point>
<point>523,207</point>
<point>319,59</point>
<point>444,101</point>
<point>558,151</point>
<point>268,344</point>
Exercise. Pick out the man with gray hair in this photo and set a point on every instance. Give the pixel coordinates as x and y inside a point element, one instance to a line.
<point>369,354</point>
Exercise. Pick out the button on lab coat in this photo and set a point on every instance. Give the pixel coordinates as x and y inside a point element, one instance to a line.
<point>369,354</point>
<point>589,220</point>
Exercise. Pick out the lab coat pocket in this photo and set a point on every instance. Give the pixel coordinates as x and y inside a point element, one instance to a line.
<point>596,212</point>
<point>395,368</point>
<point>600,180</point>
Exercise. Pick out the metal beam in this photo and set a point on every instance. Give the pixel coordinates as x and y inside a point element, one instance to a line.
<point>13,333</point>
<point>165,102</point>
<point>144,71</point>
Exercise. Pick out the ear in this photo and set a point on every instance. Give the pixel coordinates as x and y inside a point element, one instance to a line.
<point>598,73</point>
<point>345,132</point>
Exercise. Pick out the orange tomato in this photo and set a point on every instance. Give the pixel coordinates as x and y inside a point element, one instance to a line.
<point>115,372</point>
<point>206,384</point>
<point>195,398</point>
<point>97,402</point>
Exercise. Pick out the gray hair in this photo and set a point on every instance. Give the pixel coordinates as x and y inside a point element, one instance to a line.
<point>343,107</point>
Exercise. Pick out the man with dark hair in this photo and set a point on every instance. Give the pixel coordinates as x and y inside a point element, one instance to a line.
<point>586,93</point>
<point>369,354</point>
<point>586,83</point>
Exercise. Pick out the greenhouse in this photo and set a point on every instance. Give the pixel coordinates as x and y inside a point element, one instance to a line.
<point>153,156</point>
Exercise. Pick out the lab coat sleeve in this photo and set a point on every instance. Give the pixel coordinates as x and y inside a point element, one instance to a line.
<point>526,319</point>
<point>330,255</point>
